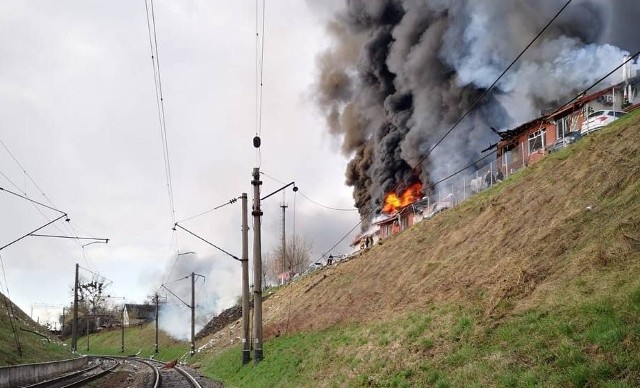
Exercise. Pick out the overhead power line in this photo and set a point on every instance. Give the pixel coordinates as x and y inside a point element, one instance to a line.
<point>231,201</point>
<point>577,96</point>
<point>488,90</point>
<point>24,171</point>
<point>309,199</point>
<point>259,76</point>
<point>325,206</point>
<point>261,69</point>
<point>157,78</point>
<point>24,193</point>
<point>208,242</point>
<point>72,228</point>
<point>464,115</point>
<point>31,200</point>
<point>97,239</point>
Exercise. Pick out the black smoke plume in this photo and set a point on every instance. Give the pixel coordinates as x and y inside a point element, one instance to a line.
<point>400,72</point>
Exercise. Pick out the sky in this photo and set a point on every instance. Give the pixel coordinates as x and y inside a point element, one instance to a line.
<point>78,114</point>
<point>79,132</point>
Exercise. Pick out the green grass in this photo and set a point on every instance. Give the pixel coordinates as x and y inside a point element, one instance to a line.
<point>137,339</point>
<point>34,348</point>
<point>596,343</point>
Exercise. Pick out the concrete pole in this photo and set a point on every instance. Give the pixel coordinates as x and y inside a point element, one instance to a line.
<point>86,318</point>
<point>193,313</point>
<point>156,344</point>
<point>284,242</point>
<point>257,269</point>
<point>122,326</point>
<point>246,342</point>
<point>74,324</point>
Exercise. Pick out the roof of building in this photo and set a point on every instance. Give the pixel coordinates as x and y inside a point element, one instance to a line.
<point>561,111</point>
<point>511,134</point>
<point>140,311</point>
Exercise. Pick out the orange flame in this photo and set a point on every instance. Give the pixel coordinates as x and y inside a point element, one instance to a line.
<point>393,202</point>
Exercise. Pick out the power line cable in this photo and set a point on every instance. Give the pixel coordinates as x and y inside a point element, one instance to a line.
<point>231,201</point>
<point>261,68</point>
<point>75,237</point>
<point>272,178</point>
<point>24,193</point>
<point>10,181</point>
<point>31,200</point>
<point>440,181</point>
<point>309,199</point>
<point>26,173</point>
<point>159,96</point>
<point>98,275</point>
<point>155,59</point>
<point>486,92</point>
<point>464,168</point>
<point>600,80</point>
<point>260,42</point>
<point>464,115</point>
<point>175,261</point>
<point>325,206</point>
<point>175,280</point>
<point>257,68</point>
<point>37,186</point>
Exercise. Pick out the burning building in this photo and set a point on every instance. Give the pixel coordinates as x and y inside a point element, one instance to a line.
<point>401,73</point>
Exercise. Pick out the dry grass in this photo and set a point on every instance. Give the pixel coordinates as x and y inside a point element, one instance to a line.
<point>565,228</point>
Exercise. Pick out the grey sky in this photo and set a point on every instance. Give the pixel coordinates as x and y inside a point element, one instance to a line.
<point>77,109</point>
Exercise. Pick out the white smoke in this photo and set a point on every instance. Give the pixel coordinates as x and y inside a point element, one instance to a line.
<point>401,72</point>
<point>220,289</point>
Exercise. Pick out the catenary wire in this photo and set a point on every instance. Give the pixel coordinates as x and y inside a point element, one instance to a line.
<point>309,199</point>
<point>261,68</point>
<point>464,115</point>
<point>325,206</point>
<point>577,96</point>
<point>231,201</point>
<point>155,59</point>
<point>260,41</point>
<point>24,192</point>
<point>26,173</point>
<point>486,92</point>
<point>159,96</point>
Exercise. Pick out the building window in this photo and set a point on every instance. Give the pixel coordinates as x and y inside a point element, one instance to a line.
<point>562,126</point>
<point>404,221</point>
<point>536,140</point>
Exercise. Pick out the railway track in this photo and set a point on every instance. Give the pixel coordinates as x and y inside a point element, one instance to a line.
<point>132,372</point>
<point>172,376</point>
<point>97,368</point>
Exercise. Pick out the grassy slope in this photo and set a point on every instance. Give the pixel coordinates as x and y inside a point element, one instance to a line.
<point>140,338</point>
<point>520,285</point>
<point>34,348</point>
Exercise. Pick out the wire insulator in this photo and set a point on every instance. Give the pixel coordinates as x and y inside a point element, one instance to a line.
<point>256,141</point>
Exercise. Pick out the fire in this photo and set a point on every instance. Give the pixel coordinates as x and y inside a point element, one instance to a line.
<point>393,202</point>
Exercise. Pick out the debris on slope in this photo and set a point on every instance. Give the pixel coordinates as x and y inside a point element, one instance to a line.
<point>219,322</point>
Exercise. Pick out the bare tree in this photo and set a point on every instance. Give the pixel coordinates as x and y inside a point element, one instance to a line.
<point>296,259</point>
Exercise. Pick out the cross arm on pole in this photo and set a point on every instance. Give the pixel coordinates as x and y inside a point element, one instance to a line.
<point>64,215</point>
<point>97,239</point>
<point>295,188</point>
<point>31,200</point>
<point>180,299</point>
<point>208,242</point>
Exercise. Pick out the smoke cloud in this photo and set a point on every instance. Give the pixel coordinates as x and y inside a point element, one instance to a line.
<point>399,73</point>
<point>219,290</point>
